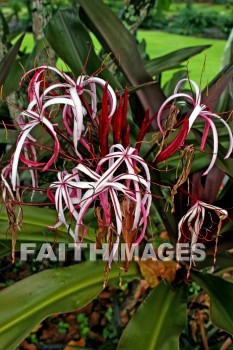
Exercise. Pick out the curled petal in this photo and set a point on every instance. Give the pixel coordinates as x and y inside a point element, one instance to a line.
<point>197,90</point>
<point>111,93</point>
<point>164,106</point>
<point>22,137</point>
<point>200,111</point>
<point>215,146</point>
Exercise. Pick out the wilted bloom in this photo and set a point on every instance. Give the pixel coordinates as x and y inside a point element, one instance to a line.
<point>6,189</point>
<point>191,226</point>
<point>198,110</point>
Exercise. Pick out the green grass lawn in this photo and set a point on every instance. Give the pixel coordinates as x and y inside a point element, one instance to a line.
<point>160,43</point>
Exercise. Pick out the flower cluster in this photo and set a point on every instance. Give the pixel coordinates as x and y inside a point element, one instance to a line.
<point>80,144</point>
<point>115,180</point>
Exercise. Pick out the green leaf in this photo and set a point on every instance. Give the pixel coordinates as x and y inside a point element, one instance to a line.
<point>221,301</point>
<point>4,26</point>
<point>35,227</point>
<point>158,322</point>
<point>170,85</point>
<point>7,136</point>
<point>19,67</point>
<point>223,260</point>
<point>7,62</point>
<point>72,42</point>
<point>162,5</point>
<point>173,59</point>
<point>5,248</point>
<point>115,38</point>
<point>28,302</point>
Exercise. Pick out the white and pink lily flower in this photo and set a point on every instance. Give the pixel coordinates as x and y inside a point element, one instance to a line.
<point>27,120</point>
<point>42,97</point>
<point>109,189</point>
<point>68,93</point>
<point>67,197</point>
<point>119,155</point>
<point>30,159</point>
<point>199,111</point>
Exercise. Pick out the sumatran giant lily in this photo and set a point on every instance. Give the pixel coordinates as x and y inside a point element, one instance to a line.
<point>69,93</point>
<point>198,111</point>
<point>109,191</point>
<point>93,166</point>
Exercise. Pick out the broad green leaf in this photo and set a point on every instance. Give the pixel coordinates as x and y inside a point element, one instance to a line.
<point>223,260</point>
<point>162,5</point>
<point>158,322</point>
<point>35,227</point>
<point>72,42</point>
<point>228,188</point>
<point>7,62</point>
<point>172,59</point>
<point>26,303</point>
<point>169,86</point>
<point>7,136</point>
<point>115,38</point>
<point>228,227</point>
<point>19,67</point>
<point>4,26</point>
<point>5,248</point>
<point>221,301</point>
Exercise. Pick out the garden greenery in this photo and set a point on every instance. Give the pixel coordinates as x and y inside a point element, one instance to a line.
<point>99,154</point>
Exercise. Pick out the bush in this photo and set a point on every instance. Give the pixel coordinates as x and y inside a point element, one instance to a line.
<point>153,21</point>
<point>190,21</point>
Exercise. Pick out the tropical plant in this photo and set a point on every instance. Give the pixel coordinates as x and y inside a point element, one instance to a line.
<point>104,157</point>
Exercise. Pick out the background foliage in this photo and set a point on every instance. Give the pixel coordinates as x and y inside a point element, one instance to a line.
<point>69,33</point>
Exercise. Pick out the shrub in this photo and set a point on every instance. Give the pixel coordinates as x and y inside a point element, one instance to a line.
<point>191,21</point>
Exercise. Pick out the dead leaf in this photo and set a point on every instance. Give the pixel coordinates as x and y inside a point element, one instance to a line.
<point>94,319</point>
<point>154,270</point>
<point>187,161</point>
<point>72,345</point>
<point>27,346</point>
<point>128,234</point>
<point>102,228</point>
